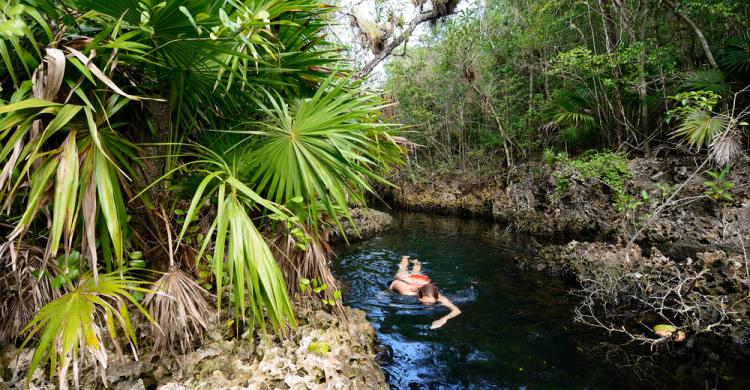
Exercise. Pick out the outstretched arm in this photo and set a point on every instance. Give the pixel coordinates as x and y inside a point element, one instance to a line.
<point>455,311</point>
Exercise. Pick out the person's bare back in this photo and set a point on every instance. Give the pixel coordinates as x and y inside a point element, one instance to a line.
<point>415,283</point>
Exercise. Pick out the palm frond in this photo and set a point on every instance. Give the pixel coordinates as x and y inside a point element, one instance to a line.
<point>569,109</point>
<point>726,148</point>
<point>258,290</point>
<point>179,309</point>
<point>323,148</point>
<point>305,260</point>
<point>256,285</point>
<point>24,287</point>
<point>737,54</point>
<point>178,305</point>
<point>699,128</point>
<point>705,80</point>
<point>73,325</point>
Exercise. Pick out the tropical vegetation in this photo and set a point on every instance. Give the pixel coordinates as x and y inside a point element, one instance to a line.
<point>178,163</point>
<point>153,148</point>
<point>504,80</point>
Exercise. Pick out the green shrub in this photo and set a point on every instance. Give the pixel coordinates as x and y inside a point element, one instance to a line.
<point>719,188</point>
<point>551,157</point>
<point>609,168</point>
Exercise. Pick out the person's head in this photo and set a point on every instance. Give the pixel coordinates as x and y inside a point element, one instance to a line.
<point>428,294</point>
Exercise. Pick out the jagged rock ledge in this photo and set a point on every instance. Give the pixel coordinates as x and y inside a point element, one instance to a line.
<point>624,269</point>
<point>528,198</point>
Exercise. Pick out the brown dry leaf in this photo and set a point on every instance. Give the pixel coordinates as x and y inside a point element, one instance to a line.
<point>101,76</point>
<point>9,165</point>
<point>46,82</point>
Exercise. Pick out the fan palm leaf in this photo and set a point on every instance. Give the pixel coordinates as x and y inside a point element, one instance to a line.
<point>737,54</point>
<point>74,324</point>
<point>321,148</point>
<point>699,128</point>
<point>569,109</point>
<point>705,80</point>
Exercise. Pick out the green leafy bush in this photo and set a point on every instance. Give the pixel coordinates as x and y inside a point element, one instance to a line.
<point>551,157</point>
<point>120,96</point>
<point>719,188</point>
<point>609,168</point>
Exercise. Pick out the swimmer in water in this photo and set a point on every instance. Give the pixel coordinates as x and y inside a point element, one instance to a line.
<point>415,283</point>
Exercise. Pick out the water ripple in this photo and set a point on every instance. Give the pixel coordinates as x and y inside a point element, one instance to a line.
<point>514,330</point>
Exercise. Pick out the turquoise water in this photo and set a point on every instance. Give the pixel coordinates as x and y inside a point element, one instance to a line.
<point>516,329</point>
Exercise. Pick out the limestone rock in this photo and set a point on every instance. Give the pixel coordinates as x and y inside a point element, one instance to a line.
<point>527,197</point>
<point>260,363</point>
<point>368,222</point>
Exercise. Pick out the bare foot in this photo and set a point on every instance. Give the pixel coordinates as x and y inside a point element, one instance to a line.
<point>417,267</point>
<point>404,263</point>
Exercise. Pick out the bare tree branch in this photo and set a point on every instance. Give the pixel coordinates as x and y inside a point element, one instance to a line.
<point>422,17</point>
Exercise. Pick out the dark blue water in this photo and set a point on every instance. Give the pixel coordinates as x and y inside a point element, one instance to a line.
<point>515,331</point>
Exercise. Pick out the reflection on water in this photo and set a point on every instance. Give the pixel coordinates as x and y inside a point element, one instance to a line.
<point>515,330</point>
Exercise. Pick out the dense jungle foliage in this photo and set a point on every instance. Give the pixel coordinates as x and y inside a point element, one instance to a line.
<point>153,148</point>
<point>169,164</point>
<point>504,80</point>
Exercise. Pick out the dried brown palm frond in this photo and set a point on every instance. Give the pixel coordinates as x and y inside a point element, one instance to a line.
<point>22,290</point>
<point>180,310</point>
<point>309,263</point>
<point>178,306</point>
<point>726,148</point>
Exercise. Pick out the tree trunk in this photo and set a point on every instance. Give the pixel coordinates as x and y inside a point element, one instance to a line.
<point>612,43</point>
<point>642,86</point>
<point>698,33</point>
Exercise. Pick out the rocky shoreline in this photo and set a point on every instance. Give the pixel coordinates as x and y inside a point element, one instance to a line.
<point>343,358</point>
<point>667,233</point>
<point>528,198</point>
